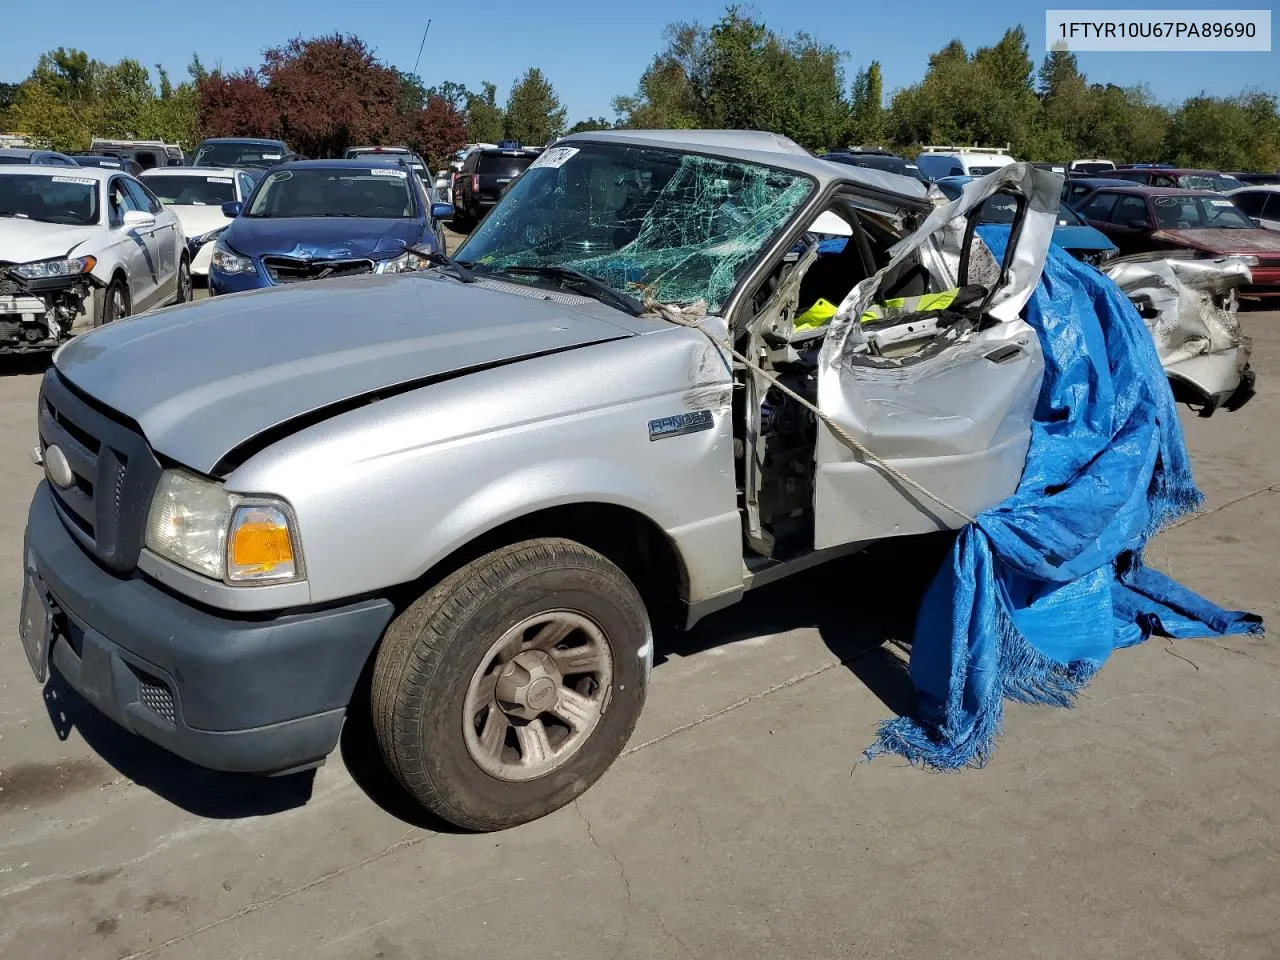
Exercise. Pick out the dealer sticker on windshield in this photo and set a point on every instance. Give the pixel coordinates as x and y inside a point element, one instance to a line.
<point>219,179</point>
<point>1221,203</point>
<point>271,156</point>
<point>85,180</point>
<point>555,157</point>
<point>388,173</point>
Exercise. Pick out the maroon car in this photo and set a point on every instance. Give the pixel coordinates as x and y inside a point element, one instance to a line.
<point>1188,178</point>
<point>1140,219</point>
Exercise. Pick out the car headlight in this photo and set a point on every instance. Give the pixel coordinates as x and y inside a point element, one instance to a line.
<point>1107,254</point>
<point>404,263</point>
<point>43,269</point>
<point>1251,260</point>
<point>199,525</point>
<point>228,261</point>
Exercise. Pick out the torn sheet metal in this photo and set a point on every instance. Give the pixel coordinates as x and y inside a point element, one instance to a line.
<point>955,417</point>
<point>1189,305</point>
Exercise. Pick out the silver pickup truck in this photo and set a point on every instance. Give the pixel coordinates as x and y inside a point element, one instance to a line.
<point>669,367</point>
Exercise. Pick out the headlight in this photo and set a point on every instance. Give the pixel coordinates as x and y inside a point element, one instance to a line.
<point>1107,254</point>
<point>1251,260</point>
<point>228,262</point>
<point>43,269</point>
<point>404,263</point>
<point>199,525</point>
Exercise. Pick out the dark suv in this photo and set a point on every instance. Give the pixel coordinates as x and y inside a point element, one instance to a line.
<point>485,174</point>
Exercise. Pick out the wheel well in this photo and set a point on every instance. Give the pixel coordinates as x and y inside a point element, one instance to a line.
<point>631,540</point>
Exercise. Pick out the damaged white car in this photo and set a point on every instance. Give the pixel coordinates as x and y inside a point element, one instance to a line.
<point>1189,305</point>
<point>669,367</point>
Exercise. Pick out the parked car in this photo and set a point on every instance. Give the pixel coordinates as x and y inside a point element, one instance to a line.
<point>80,249</point>
<point>1071,233</point>
<point>28,156</point>
<point>1186,178</point>
<point>1261,204</point>
<point>411,478</point>
<point>1090,168</point>
<point>310,219</point>
<point>106,162</point>
<point>145,153</point>
<point>877,159</point>
<point>197,195</point>
<point>1077,189</point>
<point>1254,179</point>
<point>936,162</point>
<point>252,152</point>
<point>1188,304</point>
<point>480,182</point>
<point>1140,219</point>
<point>418,165</point>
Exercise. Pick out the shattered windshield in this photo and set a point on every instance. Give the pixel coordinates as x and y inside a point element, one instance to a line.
<point>677,227</point>
<point>1199,213</point>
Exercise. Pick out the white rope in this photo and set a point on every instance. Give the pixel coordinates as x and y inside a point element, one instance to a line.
<point>692,315</point>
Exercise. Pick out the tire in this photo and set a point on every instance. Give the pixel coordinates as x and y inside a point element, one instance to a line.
<point>443,650</point>
<point>116,302</point>
<point>184,291</point>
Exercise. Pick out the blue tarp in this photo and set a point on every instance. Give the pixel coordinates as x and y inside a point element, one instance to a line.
<point>1037,593</point>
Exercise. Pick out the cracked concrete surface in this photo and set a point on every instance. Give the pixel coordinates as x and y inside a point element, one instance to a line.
<point>1142,823</point>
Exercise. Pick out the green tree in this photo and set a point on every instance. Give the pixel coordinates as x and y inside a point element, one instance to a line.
<point>484,116</point>
<point>738,74</point>
<point>534,114</point>
<point>867,123</point>
<point>590,124</point>
<point>456,95</point>
<point>1225,133</point>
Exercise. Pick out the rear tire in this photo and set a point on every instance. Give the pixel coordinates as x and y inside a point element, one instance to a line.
<point>508,689</point>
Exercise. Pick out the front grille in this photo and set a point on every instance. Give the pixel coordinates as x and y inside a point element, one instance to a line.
<point>292,270</point>
<point>113,472</point>
<point>155,696</point>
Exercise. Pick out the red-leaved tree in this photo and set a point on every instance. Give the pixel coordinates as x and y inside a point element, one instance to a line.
<point>324,95</point>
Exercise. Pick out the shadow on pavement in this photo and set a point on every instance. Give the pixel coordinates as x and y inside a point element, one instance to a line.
<point>205,793</point>
<point>858,605</point>
<point>24,364</point>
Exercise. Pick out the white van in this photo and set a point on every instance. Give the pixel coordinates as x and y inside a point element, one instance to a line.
<point>936,162</point>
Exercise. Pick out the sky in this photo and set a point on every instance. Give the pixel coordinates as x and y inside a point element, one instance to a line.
<point>591,50</point>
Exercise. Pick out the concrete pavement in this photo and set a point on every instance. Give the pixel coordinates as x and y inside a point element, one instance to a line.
<point>1143,823</point>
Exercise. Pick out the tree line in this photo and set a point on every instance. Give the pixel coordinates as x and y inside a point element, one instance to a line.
<point>327,93</point>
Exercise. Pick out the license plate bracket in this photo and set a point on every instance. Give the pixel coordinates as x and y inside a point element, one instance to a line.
<point>35,626</point>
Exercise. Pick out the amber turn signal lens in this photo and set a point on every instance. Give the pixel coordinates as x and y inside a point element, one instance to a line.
<point>260,545</point>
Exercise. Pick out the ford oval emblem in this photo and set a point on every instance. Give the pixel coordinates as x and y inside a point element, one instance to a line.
<point>57,468</point>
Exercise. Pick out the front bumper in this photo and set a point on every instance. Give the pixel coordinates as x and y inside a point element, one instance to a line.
<point>261,695</point>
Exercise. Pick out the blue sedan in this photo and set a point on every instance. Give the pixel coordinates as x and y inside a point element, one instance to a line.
<point>311,219</point>
<point>1072,234</point>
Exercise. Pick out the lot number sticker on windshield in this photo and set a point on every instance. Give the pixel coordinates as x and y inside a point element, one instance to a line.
<point>87,181</point>
<point>271,156</point>
<point>219,179</point>
<point>555,157</point>
<point>1221,203</point>
<point>388,173</point>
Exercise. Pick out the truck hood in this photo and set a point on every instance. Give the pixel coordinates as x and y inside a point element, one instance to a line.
<point>1261,242</point>
<point>203,378</point>
<point>322,238</point>
<point>22,241</point>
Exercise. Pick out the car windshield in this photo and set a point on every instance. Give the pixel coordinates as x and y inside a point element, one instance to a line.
<point>1093,167</point>
<point>876,161</point>
<point>1217,182</point>
<point>381,192</point>
<point>19,161</point>
<point>1002,207</point>
<point>677,227</point>
<point>1199,213</point>
<point>192,190</point>
<point>237,155</point>
<point>69,200</point>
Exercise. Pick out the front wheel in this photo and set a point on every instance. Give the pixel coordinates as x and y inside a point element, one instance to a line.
<point>115,301</point>
<point>183,294</point>
<point>509,688</point>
